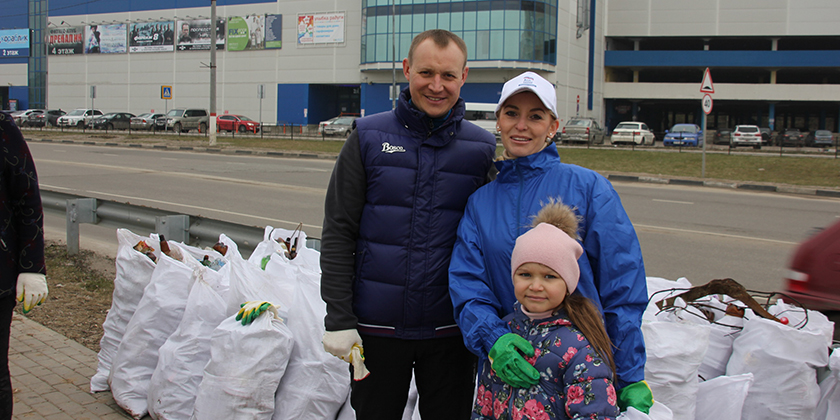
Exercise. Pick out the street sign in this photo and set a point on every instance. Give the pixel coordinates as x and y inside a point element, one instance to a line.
<point>707,104</point>
<point>166,92</point>
<point>707,86</point>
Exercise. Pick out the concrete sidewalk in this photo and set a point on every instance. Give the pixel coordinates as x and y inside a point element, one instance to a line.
<point>51,376</point>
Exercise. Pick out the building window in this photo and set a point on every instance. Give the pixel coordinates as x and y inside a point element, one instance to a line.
<point>506,30</point>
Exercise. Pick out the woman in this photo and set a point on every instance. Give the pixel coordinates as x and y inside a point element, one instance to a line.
<point>612,272</point>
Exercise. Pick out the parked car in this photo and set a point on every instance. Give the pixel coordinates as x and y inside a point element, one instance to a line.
<point>820,138</point>
<point>632,132</point>
<point>814,270</point>
<point>746,135</point>
<point>684,135</point>
<point>342,126</point>
<point>240,123</point>
<point>722,136</point>
<point>766,136</point>
<point>22,117</point>
<point>482,115</point>
<point>78,117</point>
<point>46,118</point>
<point>145,121</point>
<point>182,120</point>
<point>112,120</point>
<point>791,137</point>
<point>582,130</point>
<point>323,124</point>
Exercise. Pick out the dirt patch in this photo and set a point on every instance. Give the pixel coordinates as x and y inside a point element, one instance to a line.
<point>80,290</point>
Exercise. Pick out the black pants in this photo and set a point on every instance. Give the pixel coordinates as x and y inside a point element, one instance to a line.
<point>444,371</point>
<point>7,304</point>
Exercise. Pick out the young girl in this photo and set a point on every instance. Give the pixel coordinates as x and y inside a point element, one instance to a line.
<point>571,348</point>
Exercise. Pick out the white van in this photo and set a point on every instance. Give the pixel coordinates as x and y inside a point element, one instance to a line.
<point>482,115</point>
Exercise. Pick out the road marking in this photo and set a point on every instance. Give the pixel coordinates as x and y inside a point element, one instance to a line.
<point>723,235</point>
<point>673,201</point>
<point>310,190</point>
<point>56,187</point>
<point>132,198</point>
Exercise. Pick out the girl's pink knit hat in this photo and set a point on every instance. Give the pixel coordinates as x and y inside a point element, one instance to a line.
<point>550,245</point>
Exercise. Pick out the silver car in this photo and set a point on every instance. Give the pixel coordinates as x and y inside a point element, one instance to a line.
<point>342,126</point>
<point>582,130</point>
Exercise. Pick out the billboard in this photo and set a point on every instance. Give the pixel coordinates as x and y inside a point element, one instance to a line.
<point>66,40</point>
<point>105,39</point>
<point>195,34</point>
<point>320,28</point>
<point>152,37</point>
<point>14,43</point>
<point>246,33</point>
<point>273,31</point>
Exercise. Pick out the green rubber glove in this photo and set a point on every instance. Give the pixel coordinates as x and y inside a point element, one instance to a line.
<point>252,309</point>
<point>506,359</point>
<point>637,395</point>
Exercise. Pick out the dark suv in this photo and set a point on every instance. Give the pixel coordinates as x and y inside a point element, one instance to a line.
<point>792,137</point>
<point>182,120</point>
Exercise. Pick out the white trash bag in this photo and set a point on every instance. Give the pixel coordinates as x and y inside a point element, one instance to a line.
<point>181,359</point>
<point>722,398</point>
<point>316,383</point>
<point>158,315</point>
<point>675,351</point>
<point>245,367</point>
<point>829,405</point>
<point>783,360</point>
<point>134,271</point>
<point>657,412</point>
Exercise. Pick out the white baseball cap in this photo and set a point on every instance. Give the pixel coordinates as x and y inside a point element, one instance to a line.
<point>533,82</point>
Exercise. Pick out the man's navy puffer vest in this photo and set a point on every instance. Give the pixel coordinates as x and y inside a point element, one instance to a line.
<point>417,187</point>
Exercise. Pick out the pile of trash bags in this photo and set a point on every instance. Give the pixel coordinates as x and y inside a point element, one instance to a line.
<point>173,349</point>
<point>715,358</point>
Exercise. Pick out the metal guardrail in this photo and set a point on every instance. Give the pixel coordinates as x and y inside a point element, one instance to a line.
<point>192,230</point>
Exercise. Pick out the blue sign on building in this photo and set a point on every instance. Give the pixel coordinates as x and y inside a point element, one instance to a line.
<point>14,43</point>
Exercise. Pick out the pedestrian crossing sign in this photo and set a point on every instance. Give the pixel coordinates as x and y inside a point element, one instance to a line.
<point>166,92</point>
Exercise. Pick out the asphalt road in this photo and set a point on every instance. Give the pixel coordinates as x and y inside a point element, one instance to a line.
<point>699,233</point>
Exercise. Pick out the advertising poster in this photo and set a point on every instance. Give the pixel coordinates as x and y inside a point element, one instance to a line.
<point>246,33</point>
<point>14,43</point>
<point>195,34</point>
<point>274,31</point>
<point>66,40</point>
<point>320,28</point>
<point>151,37</point>
<point>105,39</point>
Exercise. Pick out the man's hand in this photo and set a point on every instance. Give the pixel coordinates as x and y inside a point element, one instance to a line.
<point>340,343</point>
<point>510,365</point>
<point>31,290</point>
<point>637,395</point>
<point>252,309</point>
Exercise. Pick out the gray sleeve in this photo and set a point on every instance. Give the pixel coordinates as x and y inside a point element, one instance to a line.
<point>342,211</point>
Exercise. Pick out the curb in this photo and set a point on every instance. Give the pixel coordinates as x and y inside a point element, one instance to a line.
<point>785,189</point>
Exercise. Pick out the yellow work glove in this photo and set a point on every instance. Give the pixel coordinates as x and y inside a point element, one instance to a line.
<point>347,346</point>
<point>252,309</point>
<point>31,290</point>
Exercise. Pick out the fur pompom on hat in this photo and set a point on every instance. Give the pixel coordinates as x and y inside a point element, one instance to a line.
<point>552,242</point>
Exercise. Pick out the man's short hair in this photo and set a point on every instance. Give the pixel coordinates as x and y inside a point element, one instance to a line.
<point>441,38</point>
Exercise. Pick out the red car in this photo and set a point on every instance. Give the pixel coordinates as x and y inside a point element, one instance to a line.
<point>240,123</point>
<point>814,272</point>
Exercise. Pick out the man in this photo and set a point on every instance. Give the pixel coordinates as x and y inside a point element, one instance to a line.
<point>185,37</point>
<point>393,204</point>
<point>23,273</point>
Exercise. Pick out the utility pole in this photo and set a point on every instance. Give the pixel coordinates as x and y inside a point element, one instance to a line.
<point>212,123</point>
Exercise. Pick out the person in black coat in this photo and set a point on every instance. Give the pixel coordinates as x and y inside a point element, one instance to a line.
<point>22,269</point>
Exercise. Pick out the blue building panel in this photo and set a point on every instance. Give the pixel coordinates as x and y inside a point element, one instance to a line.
<point>292,100</point>
<point>75,7</point>
<point>755,59</point>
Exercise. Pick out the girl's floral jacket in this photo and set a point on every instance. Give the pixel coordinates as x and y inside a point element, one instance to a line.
<point>575,382</point>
